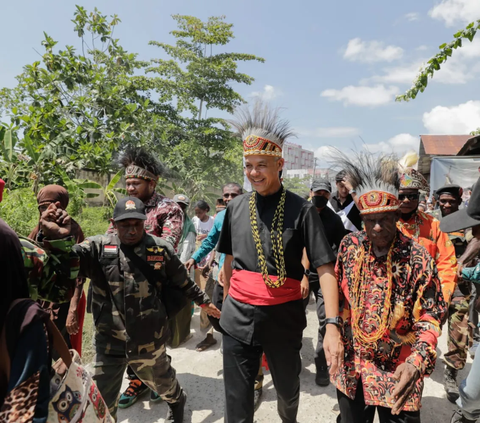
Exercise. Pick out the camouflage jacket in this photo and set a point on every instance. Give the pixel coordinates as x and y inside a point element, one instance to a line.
<point>128,313</point>
<point>164,219</point>
<point>51,267</point>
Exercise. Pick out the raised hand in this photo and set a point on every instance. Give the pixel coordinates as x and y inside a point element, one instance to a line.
<point>55,222</point>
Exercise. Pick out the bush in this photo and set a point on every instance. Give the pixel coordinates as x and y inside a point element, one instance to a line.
<point>19,210</point>
<point>92,220</point>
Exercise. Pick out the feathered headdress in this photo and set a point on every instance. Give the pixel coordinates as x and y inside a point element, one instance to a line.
<point>138,163</point>
<point>374,178</point>
<point>411,178</point>
<point>262,130</point>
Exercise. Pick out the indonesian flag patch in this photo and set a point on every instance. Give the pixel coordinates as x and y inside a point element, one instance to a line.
<point>110,250</point>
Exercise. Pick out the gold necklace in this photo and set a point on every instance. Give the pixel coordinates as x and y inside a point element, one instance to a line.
<point>361,286</point>
<point>276,233</point>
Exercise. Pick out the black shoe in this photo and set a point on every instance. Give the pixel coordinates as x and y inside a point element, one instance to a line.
<point>458,417</point>
<point>257,398</point>
<point>450,380</point>
<point>322,377</point>
<point>176,410</point>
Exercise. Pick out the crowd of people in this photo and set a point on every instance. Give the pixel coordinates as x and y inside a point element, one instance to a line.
<point>387,276</point>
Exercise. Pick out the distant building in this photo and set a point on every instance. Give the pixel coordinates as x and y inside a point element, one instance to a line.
<point>319,173</point>
<point>297,157</point>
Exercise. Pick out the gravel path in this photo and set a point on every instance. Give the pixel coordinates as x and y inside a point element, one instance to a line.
<point>201,376</point>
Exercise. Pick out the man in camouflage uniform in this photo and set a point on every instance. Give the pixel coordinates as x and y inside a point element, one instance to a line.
<point>459,329</point>
<point>129,316</point>
<point>164,219</point>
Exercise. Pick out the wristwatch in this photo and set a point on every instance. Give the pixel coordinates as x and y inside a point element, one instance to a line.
<point>307,273</point>
<point>352,191</point>
<point>337,321</point>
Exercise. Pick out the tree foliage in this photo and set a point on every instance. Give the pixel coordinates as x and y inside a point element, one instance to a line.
<point>78,107</point>
<point>300,186</point>
<point>434,64</point>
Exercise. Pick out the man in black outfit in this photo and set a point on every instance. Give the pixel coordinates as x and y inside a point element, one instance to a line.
<point>343,202</point>
<point>263,236</point>
<point>334,232</point>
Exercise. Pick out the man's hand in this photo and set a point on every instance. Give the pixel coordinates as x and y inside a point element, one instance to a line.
<point>206,270</point>
<point>72,322</point>
<point>221,277</point>
<point>406,376</point>
<point>211,310</point>
<point>201,237</point>
<point>189,264</point>
<point>305,287</point>
<point>333,347</point>
<point>55,222</point>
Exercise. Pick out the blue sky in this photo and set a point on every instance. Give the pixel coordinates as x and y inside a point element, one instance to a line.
<point>334,65</point>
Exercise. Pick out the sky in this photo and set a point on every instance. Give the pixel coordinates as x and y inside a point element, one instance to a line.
<point>334,66</point>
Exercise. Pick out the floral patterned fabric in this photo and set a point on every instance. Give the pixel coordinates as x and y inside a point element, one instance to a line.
<point>425,230</point>
<point>413,322</point>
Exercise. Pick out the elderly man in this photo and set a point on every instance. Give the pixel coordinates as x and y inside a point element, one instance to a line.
<point>392,308</point>
<point>263,236</point>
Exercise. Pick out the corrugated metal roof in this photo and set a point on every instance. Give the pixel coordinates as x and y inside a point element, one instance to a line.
<point>443,145</point>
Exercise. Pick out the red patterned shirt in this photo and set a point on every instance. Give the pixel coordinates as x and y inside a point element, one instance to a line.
<point>413,322</point>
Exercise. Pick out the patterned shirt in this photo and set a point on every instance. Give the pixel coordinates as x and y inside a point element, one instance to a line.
<point>413,321</point>
<point>425,230</point>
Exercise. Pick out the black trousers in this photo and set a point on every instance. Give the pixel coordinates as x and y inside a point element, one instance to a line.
<point>320,359</point>
<point>355,411</point>
<point>240,366</point>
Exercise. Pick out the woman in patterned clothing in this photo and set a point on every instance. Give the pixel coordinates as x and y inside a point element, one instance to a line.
<point>392,305</point>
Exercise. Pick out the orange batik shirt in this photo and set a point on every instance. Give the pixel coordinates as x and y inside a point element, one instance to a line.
<point>425,229</point>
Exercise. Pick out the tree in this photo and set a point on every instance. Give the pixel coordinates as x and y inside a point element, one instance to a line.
<point>434,64</point>
<point>78,107</point>
<point>298,185</point>
<point>201,74</point>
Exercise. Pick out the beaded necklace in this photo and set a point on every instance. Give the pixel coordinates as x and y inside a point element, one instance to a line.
<point>276,233</point>
<point>361,286</point>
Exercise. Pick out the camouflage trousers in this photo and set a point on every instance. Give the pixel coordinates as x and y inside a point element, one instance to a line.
<point>154,370</point>
<point>459,333</point>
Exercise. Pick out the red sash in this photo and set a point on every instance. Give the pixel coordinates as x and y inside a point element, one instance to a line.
<point>250,288</point>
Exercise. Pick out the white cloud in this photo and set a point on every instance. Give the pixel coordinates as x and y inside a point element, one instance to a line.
<point>456,12</point>
<point>362,95</point>
<point>329,132</point>
<point>460,68</point>
<point>269,93</point>
<point>399,144</point>
<point>413,16</point>
<point>461,119</point>
<point>404,74</point>
<point>423,47</point>
<point>371,51</point>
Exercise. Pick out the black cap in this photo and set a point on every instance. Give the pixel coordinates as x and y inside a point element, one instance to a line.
<point>452,189</point>
<point>321,184</point>
<point>129,208</point>
<point>464,218</point>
